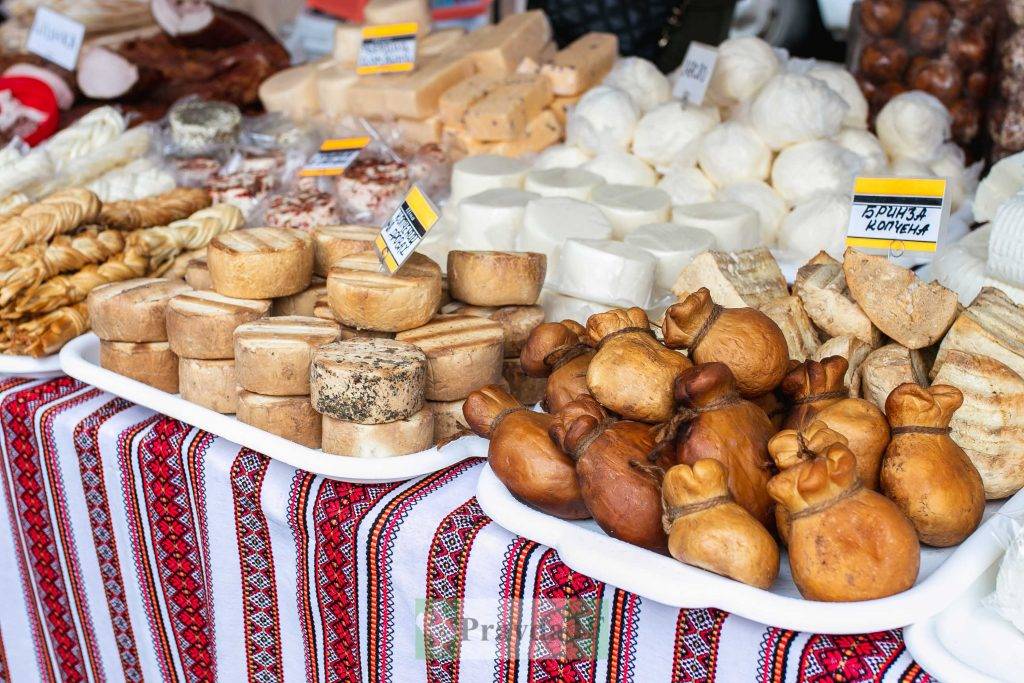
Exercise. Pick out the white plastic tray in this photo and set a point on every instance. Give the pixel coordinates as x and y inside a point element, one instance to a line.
<point>945,573</point>
<point>29,365</point>
<point>80,359</point>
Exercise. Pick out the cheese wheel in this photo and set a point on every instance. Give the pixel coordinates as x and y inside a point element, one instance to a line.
<point>550,221</point>
<point>197,274</point>
<point>561,156</point>
<point>735,227</point>
<point>209,383</point>
<point>370,381</point>
<point>333,81</point>
<point>202,324</point>
<point>527,390</point>
<point>302,303</point>
<point>492,219</point>
<point>630,206</point>
<point>402,437</point>
<point>673,246</point>
<point>607,272</point>
<point>496,278</point>
<point>560,307</point>
<point>475,174</point>
<point>272,355</point>
<point>622,168</point>
<point>290,417</point>
<point>133,310</point>
<point>563,182</point>
<point>363,297</point>
<point>332,242</point>
<point>261,263</point>
<point>397,12</point>
<point>291,92</point>
<point>517,322</point>
<point>463,353</point>
<point>151,363</point>
<point>448,419</point>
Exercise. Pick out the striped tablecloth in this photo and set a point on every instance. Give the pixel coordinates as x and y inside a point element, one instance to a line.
<point>135,547</point>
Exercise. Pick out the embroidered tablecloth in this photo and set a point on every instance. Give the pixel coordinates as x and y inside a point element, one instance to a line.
<point>135,547</point>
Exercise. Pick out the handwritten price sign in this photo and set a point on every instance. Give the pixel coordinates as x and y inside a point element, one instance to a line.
<point>695,75</point>
<point>55,37</point>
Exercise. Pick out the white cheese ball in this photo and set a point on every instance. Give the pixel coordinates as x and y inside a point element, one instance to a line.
<point>687,186</point>
<point>561,156</point>
<point>743,66</point>
<point>756,194</point>
<point>792,108</point>
<point>669,135</point>
<point>806,169</point>
<point>910,168</point>
<point>819,224</point>
<point>913,125</point>
<point>951,163</point>
<point>603,119</point>
<point>621,168</point>
<point>864,144</point>
<point>732,152</point>
<point>845,85</point>
<point>642,80</point>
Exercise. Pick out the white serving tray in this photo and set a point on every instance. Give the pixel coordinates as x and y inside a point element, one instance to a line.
<point>29,366</point>
<point>945,573</point>
<point>80,359</point>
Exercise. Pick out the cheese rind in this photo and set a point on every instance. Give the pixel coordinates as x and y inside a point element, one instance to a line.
<point>736,227</point>
<point>582,64</point>
<point>673,246</point>
<point>740,279</point>
<point>273,355</point>
<point>517,322</point>
<point>151,363</point>
<point>261,263</point>
<point>401,437</point>
<point>133,310</point>
<point>332,242</point>
<point>630,206</point>
<point>369,381</point>
<point>575,183</point>
<point>492,219</point>
<point>464,353</point>
<point>202,324</point>
<point>363,297</point>
<point>209,383</point>
<point>448,418</point>
<point>548,222</point>
<point>302,303</point>
<point>496,278</point>
<point>607,272</point>
<point>290,417</point>
<point>197,274</point>
<point>476,174</point>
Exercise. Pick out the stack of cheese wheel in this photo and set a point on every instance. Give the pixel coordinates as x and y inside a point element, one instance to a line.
<point>129,319</point>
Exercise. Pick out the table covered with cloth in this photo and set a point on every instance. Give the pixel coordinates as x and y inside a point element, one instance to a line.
<point>135,547</point>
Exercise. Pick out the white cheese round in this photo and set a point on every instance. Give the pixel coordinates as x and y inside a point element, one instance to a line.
<point>607,272</point>
<point>560,307</point>
<point>809,168</point>
<point>475,174</point>
<point>670,134</point>
<point>791,108</point>
<point>549,221</point>
<point>642,80</point>
<point>561,156</point>
<point>756,194</point>
<point>819,224</point>
<point>842,82</point>
<point>913,125</point>
<point>736,227</point>
<point>562,182</point>
<point>673,246</point>
<point>603,119</point>
<point>731,152</point>
<point>622,168</point>
<point>491,220</point>
<point>864,144</point>
<point>961,266</point>
<point>1004,180</point>
<point>687,186</point>
<point>744,65</point>
<point>628,207</point>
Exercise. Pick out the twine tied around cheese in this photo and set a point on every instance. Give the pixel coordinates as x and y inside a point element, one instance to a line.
<point>563,354</point>
<point>674,512</point>
<point>624,330</point>
<point>589,438</point>
<point>920,429</point>
<point>825,504</point>
<point>716,311</point>
<point>503,414</point>
<point>667,432</point>
<point>845,393</point>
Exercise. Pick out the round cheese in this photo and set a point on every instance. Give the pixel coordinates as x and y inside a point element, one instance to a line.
<point>272,355</point>
<point>621,168</point>
<point>687,186</point>
<point>744,64</point>
<point>549,221</point>
<point>292,92</point>
<point>133,310</point>
<point>365,298</point>
<point>670,134</point>
<point>290,417</point>
<point>333,242</point>
<point>864,144</point>
<point>819,224</point>
<point>841,81</point>
<point>809,168</point>
<point>209,383</point>
<point>492,219</point>
<point>603,119</point>
<point>202,324</point>
<point>517,322</point>
<point>413,434</point>
<point>607,272</point>
<point>731,152</point>
<point>261,263</point>
<point>151,363</point>
<point>560,307</point>
<point>760,197</point>
<point>627,207</point>
<point>496,278</point>
<point>673,246</point>
<point>302,303</point>
<point>197,274</point>
<point>369,381</point>
<point>333,81</point>
<point>644,82</point>
<point>563,182</point>
<point>913,125</point>
<point>792,108</point>
<point>736,227</point>
<point>561,156</point>
<point>475,174</point>
<point>464,353</point>
<point>448,419</point>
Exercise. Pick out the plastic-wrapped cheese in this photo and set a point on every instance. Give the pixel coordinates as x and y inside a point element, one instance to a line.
<point>756,194</point>
<point>550,221</point>
<point>561,156</point>
<point>810,168</point>
<point>607,272</point>
<point>560,307</point>
<point>642,80</point>
<point>1006,243</point>
<point>687,186</point>
<point>621,168</point>
<point>603,119</point>
<point>670,134</point>
<point>672,245</point>
<point>731,152</point>
<point>818,224</point>
<point>491,220</point>
<point>475,174</point>
<point>865,145</point>
<point>628,207</point>
<point>736,227</point>
<point>562,182</point>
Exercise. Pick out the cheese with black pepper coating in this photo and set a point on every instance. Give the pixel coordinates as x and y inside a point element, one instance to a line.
<point>401,437</point>
<point>463,352</point>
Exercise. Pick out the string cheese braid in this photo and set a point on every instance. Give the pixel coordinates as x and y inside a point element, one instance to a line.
<point>65,290</point>
<point>90,133</point>
<point>46,334</point>
<point>163,209</point>
<point>60,213</point>
<point>34,264</point>
<point>176,267</point>
<point>30,171</point>
<point>162,244</point>
<point>135,180</point>
<point>81,171</point>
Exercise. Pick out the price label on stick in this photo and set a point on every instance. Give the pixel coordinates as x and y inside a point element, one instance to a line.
<point>893,216</point>
<point>334,157</point>
<point>389,48</point>
<point>695,73</point>
<point>406,228</point>
<point>55,37</point>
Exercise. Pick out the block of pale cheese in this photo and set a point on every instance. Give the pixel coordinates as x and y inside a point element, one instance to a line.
<point>735,226</point>
<point>550,221</point>
<point>496,278</point>
<point>332,242</point>
<point>370,381</point>
<point>333,82</point>
<point>560,107</point>
<point>630,206</point>
<point>673,246</point>
<point>448,419</point>
<point>151,363</point>
<point>420,131</point>
<point>528,390</point>
<point>209,383</point>
<point>348,38</point>
<point>401,437</point>
<point>517,322</point>
<point>302,303</point>
<point>456,100</point>
<point>562,182</point>
<point>202,324</point>
<point>475,174</point>
<point>291,92</point>
<point>412,95</point>
<point>542,131</point>
<point>398,11</point>
<point>365,298</point>
<point>440,41</point>
<point>582,64</point>
<point>560,307</point>
<point>197,274</point>
<point>607,272</point>
<point>499,51</point>
<point>261,263</point>
<point>133,310</point>
<point>531,64</point>
<point>504,112</point>
<point>491,219</point>
<point>464,353</point>
<point>272,355</point>
<point>290,417</point>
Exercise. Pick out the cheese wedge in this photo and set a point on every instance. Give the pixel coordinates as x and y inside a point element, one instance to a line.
<point>517,322</point>
<point>209,383</point>
<point>133,310</point>
<point>332,242</point>
<point>302,303</point>
<point>448,419</point>
<point>464,353</point>
<point>801,338</point>
<point>582,64</point>
<point>496,278</point>
<point>736,280</point>
<point>364,298</point>
<point>822,289</point>
<point>197,274</point>
<point>202,324</point>
<point>272,355</point>
<point>290,417</point>
<point>261,263</point>
<point>151,363</point>
<point>401,437</point>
